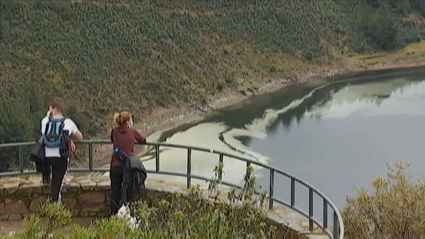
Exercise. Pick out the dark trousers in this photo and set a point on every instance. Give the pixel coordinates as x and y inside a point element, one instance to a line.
<point>58,167</point>
<point>116,175</point>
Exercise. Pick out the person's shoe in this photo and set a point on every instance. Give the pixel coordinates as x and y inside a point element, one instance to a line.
<point>46,180</point>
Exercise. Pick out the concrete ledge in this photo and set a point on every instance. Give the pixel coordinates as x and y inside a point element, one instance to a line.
<point>90,197</point>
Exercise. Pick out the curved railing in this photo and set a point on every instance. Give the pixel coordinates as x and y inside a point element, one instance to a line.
<point>336,231</point>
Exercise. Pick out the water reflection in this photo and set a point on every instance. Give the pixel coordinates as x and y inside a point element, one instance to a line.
<point>342,95</point>
<point>347,139</point>
<point>332,134</point>
<point>390,97</point>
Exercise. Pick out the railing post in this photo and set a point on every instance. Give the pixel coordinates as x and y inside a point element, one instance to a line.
<point>90,156</point>
<point>325,214</point>
<point>310,209</point>
<point>336,226</point>
<point>220,173</point>
<point>271,189</point>
<point>21,160</point>
<point>189,167</point>
<point>292,192</point>
<point>157,157</point>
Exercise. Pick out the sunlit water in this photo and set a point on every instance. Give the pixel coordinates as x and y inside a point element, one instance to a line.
<point>333,134</point>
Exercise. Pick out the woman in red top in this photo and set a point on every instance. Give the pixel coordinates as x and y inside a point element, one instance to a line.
<point>122,137</point>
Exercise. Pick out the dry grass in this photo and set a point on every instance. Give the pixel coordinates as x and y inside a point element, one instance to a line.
<point>410,52</point>
<point>396,208</point>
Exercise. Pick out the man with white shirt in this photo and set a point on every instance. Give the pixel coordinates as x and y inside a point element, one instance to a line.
<point>52,127</point>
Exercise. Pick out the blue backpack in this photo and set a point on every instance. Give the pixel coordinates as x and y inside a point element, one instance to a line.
<point>54,136</point>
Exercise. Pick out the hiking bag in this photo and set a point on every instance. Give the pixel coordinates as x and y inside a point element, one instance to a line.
<point>54,136</point>
<point>37,153</point>
<point>121,155</point>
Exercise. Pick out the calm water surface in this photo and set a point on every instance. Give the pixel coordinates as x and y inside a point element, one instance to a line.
<point>333,133</point>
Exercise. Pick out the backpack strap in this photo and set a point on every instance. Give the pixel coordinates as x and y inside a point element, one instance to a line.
<point>62,123</point>
<point>46,129</point>
<point>48,123</point>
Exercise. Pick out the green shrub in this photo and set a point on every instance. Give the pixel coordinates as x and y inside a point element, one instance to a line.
<point>53,216</point>
<point>396,209</point>
<point>239,214</point>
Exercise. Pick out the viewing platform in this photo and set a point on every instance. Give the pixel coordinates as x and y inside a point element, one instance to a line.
<point>88,195</point>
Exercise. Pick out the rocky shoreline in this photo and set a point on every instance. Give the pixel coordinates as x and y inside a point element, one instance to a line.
<point>227,99</point>
<point>233,97</point>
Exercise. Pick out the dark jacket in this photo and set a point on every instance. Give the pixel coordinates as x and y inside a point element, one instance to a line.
<point>38,155</point>
<point>133,180</point>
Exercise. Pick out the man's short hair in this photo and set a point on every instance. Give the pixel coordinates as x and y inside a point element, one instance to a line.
<point>57,107</point>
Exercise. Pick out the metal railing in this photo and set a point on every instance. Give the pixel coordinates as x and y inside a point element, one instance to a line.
<point>336,231</point>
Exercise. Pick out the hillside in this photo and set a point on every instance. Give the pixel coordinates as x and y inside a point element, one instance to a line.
<point>102,56</point>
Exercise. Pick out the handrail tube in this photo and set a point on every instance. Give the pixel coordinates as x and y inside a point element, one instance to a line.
<point>157,158</point>
<point>271,188</point>
<point>310,209</point>
<point>189,168</point>
<point>338,223</point>
<point>336,219</point>
<point>196,149</point>
<point>21,160</point>
<point>325,213</point>
<point>91,156</point>
<point>176,146</point>
<point>8,145</point>
<point>292,192</point>
<point>220,161</point>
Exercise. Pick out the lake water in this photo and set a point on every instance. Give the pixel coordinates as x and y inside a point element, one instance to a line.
<point>333,133</point>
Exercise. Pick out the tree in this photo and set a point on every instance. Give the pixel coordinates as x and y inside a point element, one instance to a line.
<point>15,126</point>
<point>15,123</point>
<point>379,27</point>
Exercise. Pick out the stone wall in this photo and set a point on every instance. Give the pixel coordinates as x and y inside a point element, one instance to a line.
<point>83,196</point>
<point>89,196</point>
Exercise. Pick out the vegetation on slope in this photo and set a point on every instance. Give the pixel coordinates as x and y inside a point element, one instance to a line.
<point>102,56</point>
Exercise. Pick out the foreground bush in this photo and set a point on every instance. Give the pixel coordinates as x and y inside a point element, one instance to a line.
<point>238,214</point>
<point>395,210</point>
